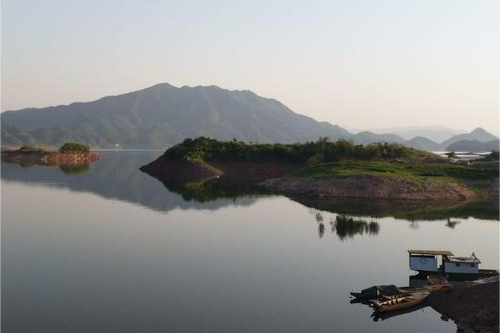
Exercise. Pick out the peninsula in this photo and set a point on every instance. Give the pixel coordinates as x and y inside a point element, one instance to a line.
<point>325,169</point>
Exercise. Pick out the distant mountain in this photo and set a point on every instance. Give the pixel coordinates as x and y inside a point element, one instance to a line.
<point>369,137</point>
<point>11,135</point>
<point>163,114</point>
<point>423,143</point>
<point>478,134</point>
<point>474,146</point>
<point>434,133</point>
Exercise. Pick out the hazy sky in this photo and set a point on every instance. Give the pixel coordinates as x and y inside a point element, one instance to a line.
<point>359,64</point>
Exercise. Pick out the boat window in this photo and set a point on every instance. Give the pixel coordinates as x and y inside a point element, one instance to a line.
<point>457,264</point>
<point>472,265</point>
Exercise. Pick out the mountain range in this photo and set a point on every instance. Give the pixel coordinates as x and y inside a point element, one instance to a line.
<point>434,133</point>
<point>163,115</point>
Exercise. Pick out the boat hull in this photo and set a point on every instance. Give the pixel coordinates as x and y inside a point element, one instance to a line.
<point>400,303</point>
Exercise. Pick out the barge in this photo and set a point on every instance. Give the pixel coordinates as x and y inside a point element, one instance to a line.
<point>432,262</point>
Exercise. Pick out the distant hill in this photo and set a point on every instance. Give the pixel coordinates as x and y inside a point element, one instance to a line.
<point>434,133</point>
<point>474,146</point>
<point>369,137</point>
<point>423,143</point>
<point>163,114</point>
<point>11,135</point>
<point>478,134</point>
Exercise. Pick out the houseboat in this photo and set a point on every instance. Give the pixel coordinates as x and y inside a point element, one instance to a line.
<point>446,263</point>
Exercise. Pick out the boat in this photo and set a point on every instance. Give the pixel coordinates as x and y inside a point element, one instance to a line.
<point>390,290</point>
<point>400,302</point>
<point>435,262</point>
<point>376,292</point>
<point>376,316</point>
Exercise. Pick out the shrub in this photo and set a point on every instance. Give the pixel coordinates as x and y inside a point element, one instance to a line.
<point>74,147</point>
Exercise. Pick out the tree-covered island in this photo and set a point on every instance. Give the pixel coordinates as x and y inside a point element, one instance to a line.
<point>330,169</point>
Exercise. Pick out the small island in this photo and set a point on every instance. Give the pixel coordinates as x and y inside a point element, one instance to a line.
<point>324,169</point>
<point>69,156</point>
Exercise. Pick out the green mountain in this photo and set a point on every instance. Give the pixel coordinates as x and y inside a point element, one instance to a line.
<point>11,135</point>
<point>162,115</point>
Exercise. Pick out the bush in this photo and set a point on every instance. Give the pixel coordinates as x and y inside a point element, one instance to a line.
<point>73,147</point>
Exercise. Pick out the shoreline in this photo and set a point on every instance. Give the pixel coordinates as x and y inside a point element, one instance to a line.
<point>371,187</point>
<point>473,307</point>
<point>361,183</point>
<point>48,158</point>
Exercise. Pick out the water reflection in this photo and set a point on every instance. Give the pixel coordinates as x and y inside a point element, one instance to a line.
<point>376,316</point>
<point>260,267</point>
<point>345,226</point>
<point>116,176</point>
<point>74,169</point>
<point>348,227</point>
<point>411,210</point>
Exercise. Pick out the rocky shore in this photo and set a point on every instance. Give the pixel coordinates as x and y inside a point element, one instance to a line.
<point>49,158</point>
<point>165,168</point>
<point>473,307</point>
<point>371,187</point>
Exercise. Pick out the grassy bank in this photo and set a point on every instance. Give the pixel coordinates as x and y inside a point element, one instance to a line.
<point>393,168</point>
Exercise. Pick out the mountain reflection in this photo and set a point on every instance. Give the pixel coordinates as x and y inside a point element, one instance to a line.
<point>117,176</point>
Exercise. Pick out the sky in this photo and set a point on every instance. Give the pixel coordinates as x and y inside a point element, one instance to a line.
<point>359,64</point>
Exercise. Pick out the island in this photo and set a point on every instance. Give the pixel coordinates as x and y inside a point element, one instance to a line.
<point>71,156</point>
<point>323,170</point>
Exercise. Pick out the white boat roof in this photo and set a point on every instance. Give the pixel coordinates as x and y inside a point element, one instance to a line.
<point>468,260</point>
<point>431,252</point>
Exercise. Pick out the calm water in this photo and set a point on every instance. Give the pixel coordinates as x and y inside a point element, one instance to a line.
<point>112,250</point>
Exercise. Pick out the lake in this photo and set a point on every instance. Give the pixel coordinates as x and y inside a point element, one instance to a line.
<point>111,249</point>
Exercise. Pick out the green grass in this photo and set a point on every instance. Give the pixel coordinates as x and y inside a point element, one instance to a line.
<point>408,169</point>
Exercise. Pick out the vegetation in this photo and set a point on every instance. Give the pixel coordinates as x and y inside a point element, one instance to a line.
<point>74,147</point>
<point>398,168</point>
<point>312,153</point>
<point>32,149</point>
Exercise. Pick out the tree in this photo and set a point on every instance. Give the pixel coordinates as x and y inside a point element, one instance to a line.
<point>451,155</point>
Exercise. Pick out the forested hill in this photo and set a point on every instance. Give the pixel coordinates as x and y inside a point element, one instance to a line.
<point>163,115</point>
<point>10,135</point>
